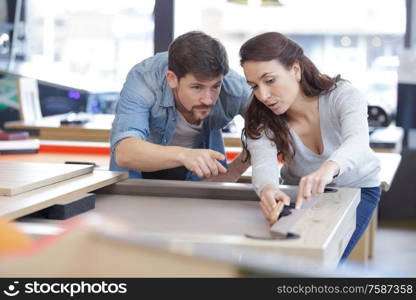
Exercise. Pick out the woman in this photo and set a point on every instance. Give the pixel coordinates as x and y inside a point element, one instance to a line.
<point>316,123</point>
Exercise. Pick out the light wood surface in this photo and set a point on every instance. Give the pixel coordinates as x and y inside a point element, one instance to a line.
<point>49,128</point>
<point>389,165</point>
<point>16,178</point>
<point>12,207</point>
<point>184,228</point>
<point>365,248</point>
<point>101,160</point>
<point>362,249</point>
<point>324,230</point>
<point>285,226</point>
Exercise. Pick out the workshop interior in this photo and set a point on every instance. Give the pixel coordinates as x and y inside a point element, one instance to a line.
<point>65,212</point>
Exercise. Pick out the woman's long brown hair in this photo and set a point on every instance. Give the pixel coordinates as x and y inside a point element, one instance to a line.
<point>260,119</point>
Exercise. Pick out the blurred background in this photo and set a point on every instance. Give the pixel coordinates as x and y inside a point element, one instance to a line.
<point>76,55</point>
<point>91,45</point>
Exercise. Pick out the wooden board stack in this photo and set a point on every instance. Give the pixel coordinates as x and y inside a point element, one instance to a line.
<point>29,187</point>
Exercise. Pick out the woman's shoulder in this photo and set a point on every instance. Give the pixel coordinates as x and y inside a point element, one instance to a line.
<point>342,87</point>
<point>264,139</point>
<point>344,91</point>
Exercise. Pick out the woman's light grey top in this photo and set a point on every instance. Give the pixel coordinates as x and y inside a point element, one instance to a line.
<point>344,130</point>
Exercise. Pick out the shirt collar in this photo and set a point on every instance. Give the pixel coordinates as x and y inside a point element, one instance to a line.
<point>168,98</point>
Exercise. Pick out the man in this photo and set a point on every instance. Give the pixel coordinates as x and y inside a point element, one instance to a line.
<point>171,111</point>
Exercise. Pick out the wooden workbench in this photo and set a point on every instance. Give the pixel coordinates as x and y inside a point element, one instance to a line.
<point>29,187</point>
<point>99,154</point>
<point>200,217</point>
<point>197,213</point>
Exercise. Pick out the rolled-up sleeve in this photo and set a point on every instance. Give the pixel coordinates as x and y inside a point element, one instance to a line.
<point>133,109</point>
<point>265,168</point>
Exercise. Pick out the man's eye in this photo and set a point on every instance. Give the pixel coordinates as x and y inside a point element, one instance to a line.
<point>196,87</point>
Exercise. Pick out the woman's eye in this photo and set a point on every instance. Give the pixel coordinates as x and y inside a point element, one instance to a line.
<point>270,81</point>
<point>253,87</point>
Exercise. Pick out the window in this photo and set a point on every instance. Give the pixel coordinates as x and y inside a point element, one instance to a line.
<point>358,39</point>
<point>94,42</point>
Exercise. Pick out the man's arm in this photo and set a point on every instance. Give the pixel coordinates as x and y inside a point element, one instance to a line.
<point>235,169</point>
<point>137,154</point>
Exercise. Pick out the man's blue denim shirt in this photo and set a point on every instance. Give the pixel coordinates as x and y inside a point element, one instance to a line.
<point>146,109</point>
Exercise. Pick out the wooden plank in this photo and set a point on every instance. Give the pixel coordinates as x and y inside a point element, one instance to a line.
<point>389,165</point>
<point>373,230</point>
<point>284,226</point>
<point>16,178</point>
<point>75,134</point>
<point>360,253</point>
<point>54,157</point>
<point>364,250</point>
<point>23,204</point>
<point>232,141</point>
<point>365,247</point>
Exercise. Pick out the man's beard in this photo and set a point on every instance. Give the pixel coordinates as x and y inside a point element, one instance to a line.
<point>205,107</point>
<point>197,114</point>
<point>194,109</point>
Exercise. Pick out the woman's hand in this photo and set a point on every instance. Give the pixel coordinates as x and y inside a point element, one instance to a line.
<point>269,196</point>
<point>314,183</point>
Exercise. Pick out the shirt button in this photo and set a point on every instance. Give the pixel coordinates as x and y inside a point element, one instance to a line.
<point>173,119</point>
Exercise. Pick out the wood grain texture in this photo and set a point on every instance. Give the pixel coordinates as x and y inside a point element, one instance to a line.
<point>20,205</point>
<point>285,226</point>
<point>16,178</point>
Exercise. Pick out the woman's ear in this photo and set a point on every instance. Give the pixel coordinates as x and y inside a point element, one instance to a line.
<point>172,79</point>
<point>297,71</point>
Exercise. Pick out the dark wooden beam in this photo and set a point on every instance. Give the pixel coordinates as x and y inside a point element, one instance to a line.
<point>164,22</point>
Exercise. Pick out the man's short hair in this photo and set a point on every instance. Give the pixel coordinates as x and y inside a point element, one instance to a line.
<point>197,53</point>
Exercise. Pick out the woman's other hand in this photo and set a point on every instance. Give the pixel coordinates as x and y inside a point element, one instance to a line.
<point>269,196</point>
<point>314,183</point>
